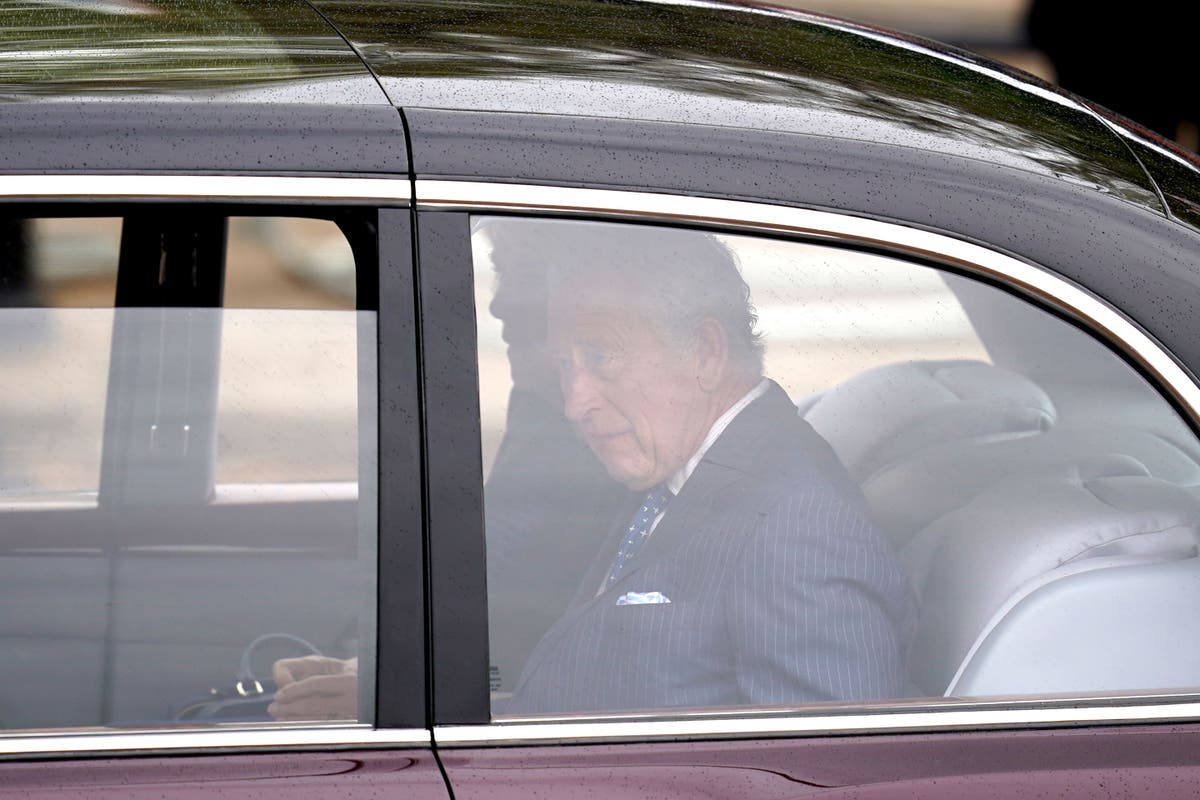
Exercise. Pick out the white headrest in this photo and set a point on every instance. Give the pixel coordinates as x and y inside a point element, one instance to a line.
<point>890,413</point>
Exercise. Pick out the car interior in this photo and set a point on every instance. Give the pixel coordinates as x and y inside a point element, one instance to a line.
<point>1041,496</point>
<point>136,593</point>
<point>1044,506</point>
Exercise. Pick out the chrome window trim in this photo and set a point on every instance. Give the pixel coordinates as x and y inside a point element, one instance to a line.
<point>73,743</point>
<point>202,187</point>
<point>901,240</point>
<point>740,215</point>
<point>889,719</point>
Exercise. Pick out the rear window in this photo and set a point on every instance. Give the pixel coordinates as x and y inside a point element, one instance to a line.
<point>187,461</point>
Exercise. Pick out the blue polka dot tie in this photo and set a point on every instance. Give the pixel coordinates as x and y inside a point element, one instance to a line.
<point>638,531</point>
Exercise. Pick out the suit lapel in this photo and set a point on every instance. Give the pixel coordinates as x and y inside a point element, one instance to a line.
<point>707,489</point>
<point>727,468</point>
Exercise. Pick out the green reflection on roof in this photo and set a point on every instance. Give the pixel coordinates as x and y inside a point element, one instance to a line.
<point>115,48</point>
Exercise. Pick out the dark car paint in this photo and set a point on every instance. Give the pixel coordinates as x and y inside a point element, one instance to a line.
<point>401,649</point>
<point>454,502</point>
<point>1175,173</point>
<point>139,136</point>
<point>875,134</point>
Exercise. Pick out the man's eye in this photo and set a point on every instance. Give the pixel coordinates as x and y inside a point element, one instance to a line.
<point>597,358</point>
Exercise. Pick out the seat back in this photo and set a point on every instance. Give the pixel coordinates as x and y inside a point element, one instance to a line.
<point>976,569</point>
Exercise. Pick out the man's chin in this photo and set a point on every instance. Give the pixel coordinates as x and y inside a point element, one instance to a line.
<point>622,459</point>
<point>634,481</point>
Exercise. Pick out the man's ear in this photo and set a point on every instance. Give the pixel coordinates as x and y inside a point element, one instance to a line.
<point>712,354</point>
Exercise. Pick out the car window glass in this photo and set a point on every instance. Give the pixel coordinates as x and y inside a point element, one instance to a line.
<point>188,490</point>
<point>286,406</point>
<point>54,424</point>
<point>59,262</point>
<point>288,262</point>
<point>724,470</point>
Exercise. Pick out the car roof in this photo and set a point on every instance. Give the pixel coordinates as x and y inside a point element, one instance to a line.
<point>735,66</point>
<point>197,85</point>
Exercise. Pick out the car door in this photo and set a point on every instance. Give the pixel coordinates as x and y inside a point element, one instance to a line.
<point>211,462</point>
<point>1027,452</point>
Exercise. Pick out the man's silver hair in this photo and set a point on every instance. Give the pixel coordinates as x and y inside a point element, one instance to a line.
<point>677,278</point>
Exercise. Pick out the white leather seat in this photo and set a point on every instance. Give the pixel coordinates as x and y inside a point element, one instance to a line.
<point>988,575</point>
<point>886,415</point>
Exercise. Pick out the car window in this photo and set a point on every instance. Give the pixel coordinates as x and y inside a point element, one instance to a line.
<point>187,463</point>
<point>55,263</point>
<point>733,471</point>
<point>286,403</point>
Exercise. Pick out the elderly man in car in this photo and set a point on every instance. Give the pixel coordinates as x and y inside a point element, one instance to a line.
<point>749,571</point>
<point>746,571</point>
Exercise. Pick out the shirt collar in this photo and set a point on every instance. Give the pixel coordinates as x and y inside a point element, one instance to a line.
<point>676,481</point>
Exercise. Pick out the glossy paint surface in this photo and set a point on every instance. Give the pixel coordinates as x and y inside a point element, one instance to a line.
<point>217,137</point>
<point>262,52</point>
<point>400,773</point>
<point>1176,174</point>
<point>1114,762</point>
<point>731,66</point>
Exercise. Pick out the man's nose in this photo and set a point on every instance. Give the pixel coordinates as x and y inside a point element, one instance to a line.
<point>579,394</point>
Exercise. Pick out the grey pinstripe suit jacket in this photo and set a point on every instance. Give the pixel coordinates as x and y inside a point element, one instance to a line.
<point>782,591</point>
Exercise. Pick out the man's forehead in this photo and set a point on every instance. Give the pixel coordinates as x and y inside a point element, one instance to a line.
<point>610,325</point>
<point>601,284</point>
<point>590,300</point>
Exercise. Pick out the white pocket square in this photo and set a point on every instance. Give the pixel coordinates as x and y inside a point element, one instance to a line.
<point>642,598</point>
